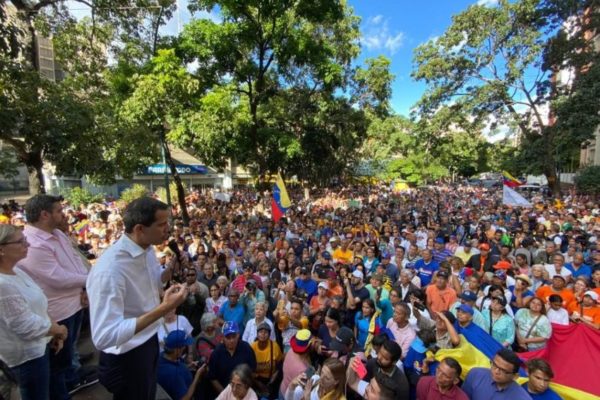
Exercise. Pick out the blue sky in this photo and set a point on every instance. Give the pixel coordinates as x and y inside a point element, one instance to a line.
<point>393,28</point>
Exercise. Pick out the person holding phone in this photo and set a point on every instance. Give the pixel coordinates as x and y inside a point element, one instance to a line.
<point>328,384</point>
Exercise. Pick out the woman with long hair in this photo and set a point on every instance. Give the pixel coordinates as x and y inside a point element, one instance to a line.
<point>366,324</point>
<point>533,327</point>
<point>216,298</point>
<point>328,384</point>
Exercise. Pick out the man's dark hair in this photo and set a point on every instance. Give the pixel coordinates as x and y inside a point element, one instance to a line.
<point>297,300</point>
<point>394,349</point>
<point>38,203</point>
<point>538,364</point>
<point>452,363</point>
<point>142,211</point>
<point>555,298</point>
<point>510,357</point>
<point>378,340</point>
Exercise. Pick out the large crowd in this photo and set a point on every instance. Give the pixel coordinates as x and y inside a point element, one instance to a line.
<point>349,296</point>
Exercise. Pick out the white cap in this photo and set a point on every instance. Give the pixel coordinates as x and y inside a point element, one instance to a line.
<point>324,285</point>
<point>161,255</point>
<point>358,274</point>
<point>592,294</point>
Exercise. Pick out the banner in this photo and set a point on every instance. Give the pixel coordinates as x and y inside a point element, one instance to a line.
<point>280,201</point>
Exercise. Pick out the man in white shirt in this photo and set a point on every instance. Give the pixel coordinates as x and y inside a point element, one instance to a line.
<point>125,308</point>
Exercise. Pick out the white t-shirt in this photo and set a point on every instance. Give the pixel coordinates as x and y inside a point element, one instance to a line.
<point>564,271</point>
<point>181,323</point>
<point>560,317</point>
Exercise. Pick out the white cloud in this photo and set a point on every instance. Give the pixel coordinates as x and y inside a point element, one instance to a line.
<point>377,35</point>
<point>487,3</point>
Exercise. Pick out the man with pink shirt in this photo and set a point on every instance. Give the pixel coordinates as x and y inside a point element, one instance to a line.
<point>55,266</point>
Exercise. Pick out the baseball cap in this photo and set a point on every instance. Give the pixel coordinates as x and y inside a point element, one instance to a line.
<point>301,342</point>
<point>178,338</point>
<point>324,285</point>
<point>442,274</point>
<point>592,294</point>
<point>161,255</point>
<point>326,255</point>
<point>304,270</point>
<point>230,328</point>
<point>500,274</point>
<point>468,295</point>
<point>439,240</point>
<point>358,274</point>
<point>559,276</point>
<point>502,265</point>
<point>386,255</point>
<point>263,325</point>
<point>484,246</point>
<point>342,340</point>
<point>466,308</point>
<point>331,275</point>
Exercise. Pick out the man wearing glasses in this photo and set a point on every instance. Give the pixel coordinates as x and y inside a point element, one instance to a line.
<point>498,382</point>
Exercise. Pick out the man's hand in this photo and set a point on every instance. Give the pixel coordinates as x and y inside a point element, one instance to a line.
<point>56,345</point>
<point>175,295</point>
<point>58,331</point>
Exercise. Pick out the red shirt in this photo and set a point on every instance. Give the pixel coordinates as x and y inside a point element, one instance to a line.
<point>427,389</point>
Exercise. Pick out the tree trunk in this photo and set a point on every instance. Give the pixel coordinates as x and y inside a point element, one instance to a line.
<point>34,164</point>
<point>179,185</point>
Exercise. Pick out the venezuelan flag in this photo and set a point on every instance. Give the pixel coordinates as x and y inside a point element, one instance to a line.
<point>280,201</point>
<point>82,227</point>
<point>510,180</point>
<point>574,376</point>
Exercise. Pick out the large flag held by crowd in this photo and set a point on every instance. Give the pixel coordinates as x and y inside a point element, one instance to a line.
<point>575,378</point>
<point>510,181</point>
<point>280,201</point>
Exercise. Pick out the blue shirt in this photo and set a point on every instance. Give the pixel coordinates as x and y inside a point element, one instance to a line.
<point>441,255</point>
<point>426,271</point>
<point>549,394</point>
<point>309,285</point>
<point>584,270</point>
<point>221,362</point>
<point>174,377</point>
<point>236,313</point>
<point>479,386</point>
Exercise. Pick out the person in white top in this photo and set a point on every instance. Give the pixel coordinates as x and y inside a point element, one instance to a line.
<point>260,316</point>
<point>125,308</point>
<point>25,327</point>
<point>556,313</point>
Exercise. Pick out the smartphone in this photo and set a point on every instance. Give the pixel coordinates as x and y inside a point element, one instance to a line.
<point>310,371</point>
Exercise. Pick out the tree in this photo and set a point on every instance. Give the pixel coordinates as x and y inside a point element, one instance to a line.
<point>159,100</point>
<point>275,59</point>
<point>483,65</point>
<point>69,122</point>
<point>587,180</point>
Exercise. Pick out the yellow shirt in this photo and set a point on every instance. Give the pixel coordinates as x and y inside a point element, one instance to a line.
<point>345,257</point>
<point>264,368</point>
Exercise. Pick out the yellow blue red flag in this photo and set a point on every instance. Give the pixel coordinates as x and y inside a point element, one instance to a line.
<point>280,201</point>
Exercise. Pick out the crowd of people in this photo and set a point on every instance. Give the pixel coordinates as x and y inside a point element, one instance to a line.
<point>349,296</point>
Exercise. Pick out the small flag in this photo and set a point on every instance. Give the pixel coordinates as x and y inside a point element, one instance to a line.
<point>510,180</point>
<point>280,201</point>
<point>82,227</point>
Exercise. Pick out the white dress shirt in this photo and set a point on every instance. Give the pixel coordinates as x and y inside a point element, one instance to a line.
<point>122,286</point>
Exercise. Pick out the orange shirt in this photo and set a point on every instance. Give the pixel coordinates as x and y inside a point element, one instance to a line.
<point>589,313</point>
<point>545,291</point>
<point>440,300</point>
<point>336,290</point>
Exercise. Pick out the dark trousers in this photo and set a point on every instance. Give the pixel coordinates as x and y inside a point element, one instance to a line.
<point>33,378</point>
<point>61,363</point>
<point>131,375</point>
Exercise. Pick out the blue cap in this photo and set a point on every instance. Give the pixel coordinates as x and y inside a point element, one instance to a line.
<point>466,308</point>
<point>230,327</point>
<point>178,338</point>
<point>439,240</point>
<point>468,295</point>
<point>500,274</point>
<point>385,254</point>
<point>326,255</point>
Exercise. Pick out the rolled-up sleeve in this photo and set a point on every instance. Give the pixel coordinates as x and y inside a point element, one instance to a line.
<point>110,328</point>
